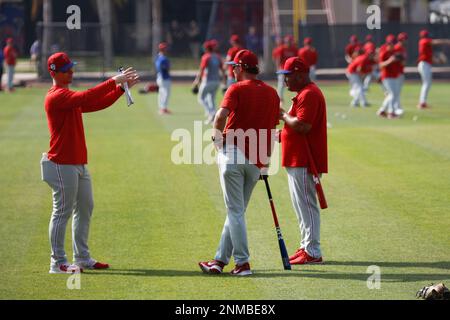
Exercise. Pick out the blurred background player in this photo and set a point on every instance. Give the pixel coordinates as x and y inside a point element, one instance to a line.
<point>162,66</point>
<point>351,48</point>
<point>284,52</point>
<point>425,63</point>
<point>369,46</point>
<point>208,79</point>
<point>401,54</point>
<point>357,70</point>
<point>304,132</point>
<point>10,53</point>
<point>236,46</point>
<point>389,74</point>
<point>309,55</point>
<point>1,68</point>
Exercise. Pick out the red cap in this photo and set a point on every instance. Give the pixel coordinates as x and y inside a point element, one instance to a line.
<point>307,40</point>
<point>235,38</point>
<point>214,43</point>
<point>294,64</point>
<point>402,36</point>
<point>390,39</point>
<point>163,46</point>
<point>289,38</point>
<point>369,37</point>
<point>246,58</point>
<point>59,62</point>
<point>424,33</point>
<point>353,38</point>
<point>9,40</point>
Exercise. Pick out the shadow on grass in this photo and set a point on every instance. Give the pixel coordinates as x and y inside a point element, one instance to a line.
<point>300,272</point>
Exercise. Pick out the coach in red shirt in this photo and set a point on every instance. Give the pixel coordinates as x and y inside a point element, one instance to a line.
<point>304,131</point>
<point>10,54</point>
<point>64,165</point>
<point>244,134</point>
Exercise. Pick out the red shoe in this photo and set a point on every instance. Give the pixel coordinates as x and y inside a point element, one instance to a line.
<point>297,254</point>
<point>382,114</point>
<point>392,116</point>
<point>65,268</point>
<point>242,270</point>
<point>164,111</point>
<point>99,266</point>
<point>423,106</point>
<point>305,258</point>
<point>212,267</point>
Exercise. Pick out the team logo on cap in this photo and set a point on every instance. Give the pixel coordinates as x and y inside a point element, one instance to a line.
<point>52,67</point>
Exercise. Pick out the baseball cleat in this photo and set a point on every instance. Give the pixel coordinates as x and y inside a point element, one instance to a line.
<point>65,268</point>
<point>242,270</point>
<point>382,114</point>
<point>212,267</point>
<point>305,258</point>
<point>297,254</point>
<point>92,264</point>
<point>423,106</point>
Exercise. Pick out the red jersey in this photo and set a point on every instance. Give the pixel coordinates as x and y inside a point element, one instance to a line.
<point>400,50</point>
<point>350,48</point>
<point>286,53</point>
<point>309,55</point>
<point>64,110</point>
<point>230,56</point>
<point>252,105</point>
<point>308,106</point>
<point>426,50</point>
<point>10,54</point>
<point>362,64</point>
<point>392,70</point>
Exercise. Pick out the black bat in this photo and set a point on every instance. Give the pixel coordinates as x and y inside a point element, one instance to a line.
<point>283,251</point>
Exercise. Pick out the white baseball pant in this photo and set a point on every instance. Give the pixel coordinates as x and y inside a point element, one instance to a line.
<point>357,90</point>
<point>280,86</point>
<point>303,196</point>
<point>426,74</point>
<point>163,92</point>
<point>207,96</point>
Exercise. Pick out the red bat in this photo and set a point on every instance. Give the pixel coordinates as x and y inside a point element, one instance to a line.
<point>315,174</point>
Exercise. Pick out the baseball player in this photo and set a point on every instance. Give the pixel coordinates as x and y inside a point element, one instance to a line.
<point>210,73</point>
<point>162,66</point>
<point>369,46</point>
<point>287,50</point>
<point>64,167</point>
<point>304,131</point>
<point>10,53</point>
<point>357,70</point>
<point>235,42</point>
<point>351,48</point>
<point>309,55</point>
<point>425,63</point>
<point>390,71</point>
<point>1,68</point>
<point>401,54</point>
<point>249,108</point>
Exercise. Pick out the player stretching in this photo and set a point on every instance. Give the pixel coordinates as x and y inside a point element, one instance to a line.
<point>425,62</point>
<point>64,165</point>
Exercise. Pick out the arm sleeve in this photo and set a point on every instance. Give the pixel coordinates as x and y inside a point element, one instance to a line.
<point>307,108</point>
<point>67,99</point>
<point>104,102</point>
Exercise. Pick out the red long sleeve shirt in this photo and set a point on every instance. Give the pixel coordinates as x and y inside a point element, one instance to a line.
<point>64,110</point>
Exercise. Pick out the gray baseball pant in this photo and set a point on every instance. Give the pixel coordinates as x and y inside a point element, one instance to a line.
<point>163,92</point>
<point>237,182</point>
<point>280,86</point>
<point>303,196</point>
<point>207,96</point>
<point>72,193</point>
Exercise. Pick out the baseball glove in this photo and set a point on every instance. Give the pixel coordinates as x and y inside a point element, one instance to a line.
<point>434,292</point>
<point>194,89</point>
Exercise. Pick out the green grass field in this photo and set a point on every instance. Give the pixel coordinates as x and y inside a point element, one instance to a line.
<point>388,193</point>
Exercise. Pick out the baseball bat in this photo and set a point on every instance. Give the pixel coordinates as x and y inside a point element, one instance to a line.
<point>128,96</point>
<point>319,190</point>
<point>283,250</point>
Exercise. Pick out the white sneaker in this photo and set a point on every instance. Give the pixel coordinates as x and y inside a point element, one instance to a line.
<point>65,268</point>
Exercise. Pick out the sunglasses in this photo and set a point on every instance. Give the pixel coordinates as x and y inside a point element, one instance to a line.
<point>236,65</point>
